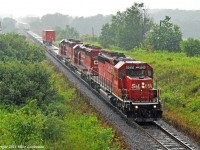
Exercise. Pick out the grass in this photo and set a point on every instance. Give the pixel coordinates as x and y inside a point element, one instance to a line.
<point>68,123</point>
<point>84,128</point>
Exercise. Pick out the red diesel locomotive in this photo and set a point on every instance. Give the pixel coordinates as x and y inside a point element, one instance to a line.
<point>126,82</point>
<point>132,86</point>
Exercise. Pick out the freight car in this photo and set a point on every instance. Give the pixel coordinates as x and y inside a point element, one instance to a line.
<point>48,37</point>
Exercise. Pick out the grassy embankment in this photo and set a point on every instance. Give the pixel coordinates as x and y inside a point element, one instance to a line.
<point>84,127</point>
<point>179,79</point>
<point>67,123</point>
<point>38,107</point>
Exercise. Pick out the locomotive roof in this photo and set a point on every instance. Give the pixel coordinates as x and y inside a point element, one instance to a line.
<point>77,46</point>
<point>70,41</point>
<point>46,30</point>
<point>111,54</point>
<point>114,57</point>
<point>121,63</point>
<point>87,47</point>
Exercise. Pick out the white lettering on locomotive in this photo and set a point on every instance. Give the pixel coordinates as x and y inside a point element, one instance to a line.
<point>135,86</point>
<point>129,67</point>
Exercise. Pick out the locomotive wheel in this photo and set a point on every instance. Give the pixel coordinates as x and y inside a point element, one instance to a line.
<point>125,110</point>
<point>97,87</point>
<point>113,101</point>
<point>127,113</point>
<point>92,84</point>
<point>119,105</point>
<point>82,76</point>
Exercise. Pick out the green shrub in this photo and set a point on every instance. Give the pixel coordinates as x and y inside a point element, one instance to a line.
<point>23,127</point>
<point>39,107</point>
<point>19,83</point>
<point>191,47</point>
<point>15,47</point>
<point>84,132</point>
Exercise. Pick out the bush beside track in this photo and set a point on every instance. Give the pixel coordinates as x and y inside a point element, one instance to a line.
<point>52,115</point>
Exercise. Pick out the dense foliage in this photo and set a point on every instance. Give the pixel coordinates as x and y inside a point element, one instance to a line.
<point>127,29</point>
<point>39,109</point>
<point>21,83</point>
<point>165,36</point>
<point>191,47</point>
<point>7,25</point>
<point>66,33</point>
<point>187,20</point>
<point>84,25</point>
<point>22,78</point>
<point>15,47</point>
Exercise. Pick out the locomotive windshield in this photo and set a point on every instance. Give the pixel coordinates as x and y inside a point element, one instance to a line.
<point>135,72</point>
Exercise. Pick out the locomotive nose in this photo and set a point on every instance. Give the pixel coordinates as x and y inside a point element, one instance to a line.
<point>139,89</point>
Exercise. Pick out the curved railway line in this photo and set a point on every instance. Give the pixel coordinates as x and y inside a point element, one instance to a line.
<point>158,136</point>
<point>163,137</point>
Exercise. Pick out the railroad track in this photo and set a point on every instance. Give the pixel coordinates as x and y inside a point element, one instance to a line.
<point>169,140</point>
<point>162,137</point>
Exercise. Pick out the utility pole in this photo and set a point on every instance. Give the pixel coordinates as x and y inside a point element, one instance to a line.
<point>0,27</point>
<point>92,34</point>
<point>144,23</point>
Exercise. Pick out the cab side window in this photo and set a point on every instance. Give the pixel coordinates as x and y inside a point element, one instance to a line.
<point>150,74</point>
<point>121,74</point>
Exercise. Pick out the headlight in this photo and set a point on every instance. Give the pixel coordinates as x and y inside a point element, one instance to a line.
<point>136,107</point>
<point>142,83</point>
<point>154,106</point>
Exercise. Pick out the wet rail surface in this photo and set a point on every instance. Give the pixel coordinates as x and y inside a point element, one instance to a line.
<point>166,139</point>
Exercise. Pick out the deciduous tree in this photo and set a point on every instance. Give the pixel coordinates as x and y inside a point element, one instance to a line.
<point>191,47</point>
<point>127,29</point>
<point>166,36</point>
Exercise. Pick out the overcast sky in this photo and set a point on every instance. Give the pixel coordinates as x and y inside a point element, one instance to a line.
<point>17,8</point>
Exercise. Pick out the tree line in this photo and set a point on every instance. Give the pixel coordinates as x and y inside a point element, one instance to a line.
<point>134,28</point>
<point>126,30</point>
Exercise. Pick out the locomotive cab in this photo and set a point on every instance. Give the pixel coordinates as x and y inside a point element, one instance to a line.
<point>138,81</point>
<point>135,87</point>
